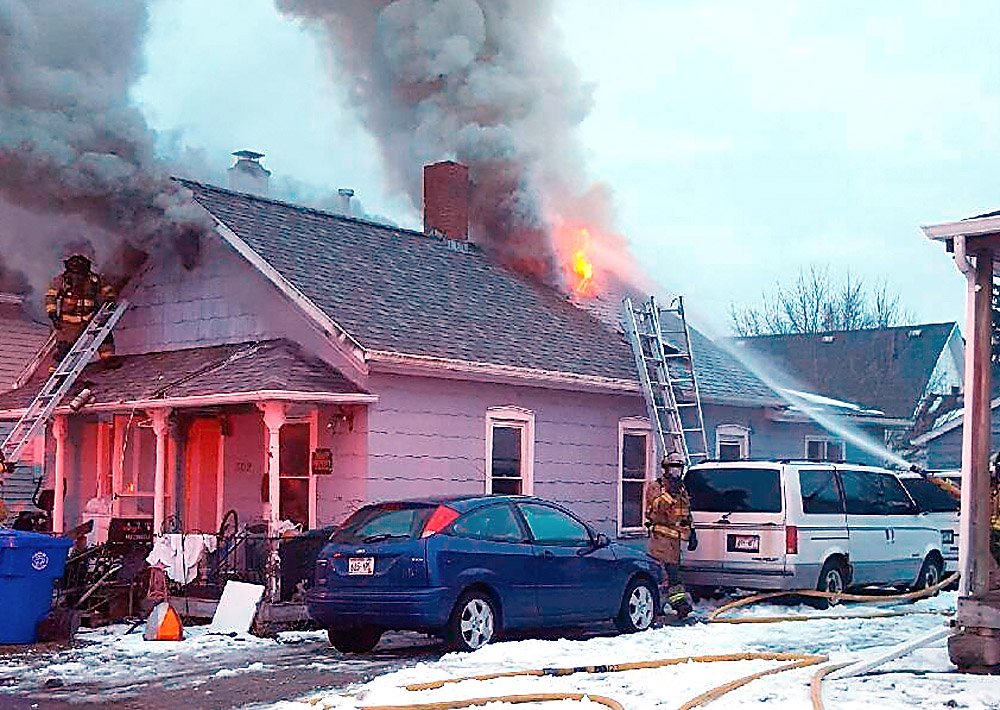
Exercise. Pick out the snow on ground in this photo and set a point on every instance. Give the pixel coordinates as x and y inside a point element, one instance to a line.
<point>924,679</point>
<point>110,660</point>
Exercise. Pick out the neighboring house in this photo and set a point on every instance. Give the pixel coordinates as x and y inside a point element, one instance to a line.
<point>882,380</point>
<point>24,341</point>
<point>310,363</point>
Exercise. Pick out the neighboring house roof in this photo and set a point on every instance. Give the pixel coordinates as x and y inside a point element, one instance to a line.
<point>886,368</point>
<point>400,291</point>
<point>23,338</point>
<point>226,373</point>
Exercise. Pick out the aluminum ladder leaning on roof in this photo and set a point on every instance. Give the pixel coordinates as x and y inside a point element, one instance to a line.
<point>59,382</point>
<point>667,377</point>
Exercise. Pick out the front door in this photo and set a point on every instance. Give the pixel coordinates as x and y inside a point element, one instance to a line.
<point>201,480</point>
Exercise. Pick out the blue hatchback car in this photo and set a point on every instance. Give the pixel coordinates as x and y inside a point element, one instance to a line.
<point>467,568</point>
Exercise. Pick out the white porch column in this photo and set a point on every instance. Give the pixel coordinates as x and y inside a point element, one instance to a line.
<point>60,432</point>
<point>274,419</point>
<point>160,419</point>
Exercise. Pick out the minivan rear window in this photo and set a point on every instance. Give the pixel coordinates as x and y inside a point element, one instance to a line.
<point>929,497</point>
<point>734,490</point>
<point>384,521</point>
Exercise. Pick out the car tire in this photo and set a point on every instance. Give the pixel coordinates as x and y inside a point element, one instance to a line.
<point>473,622</point>
<point>638,607</point>
<point>833,578</point>
<point>357,639</point>
<point>931,572</point>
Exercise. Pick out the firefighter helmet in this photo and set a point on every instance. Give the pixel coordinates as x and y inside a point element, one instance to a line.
<point>674,459</point>
<point>77,263</point>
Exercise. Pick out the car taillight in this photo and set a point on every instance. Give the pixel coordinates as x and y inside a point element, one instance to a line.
<point>442,517</point>
<point>791,540</point>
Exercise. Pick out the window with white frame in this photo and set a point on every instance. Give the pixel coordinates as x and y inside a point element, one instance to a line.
<point>824,449</point>
<point>634,453</point>
<point>732,442</point>
<point>510,450</point>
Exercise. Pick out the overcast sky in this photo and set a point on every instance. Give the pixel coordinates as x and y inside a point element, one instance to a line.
<point>743,139</point>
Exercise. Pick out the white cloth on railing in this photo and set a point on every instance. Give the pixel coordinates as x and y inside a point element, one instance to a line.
<point>180,554</point>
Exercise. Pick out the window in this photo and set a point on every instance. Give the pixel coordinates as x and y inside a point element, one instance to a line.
<point>732,442</point>
<point>819,449</point>
<point>550,526</point>
<point>820,492</point>
<point>135,486</point>
<point>634,457</point>
<point>294,474</point>
<point>897,502</point>
<point>861,493</point>
<point>496,522</point>
<point>929,497</point>
<point>732,490</point>
<point>510,450</point>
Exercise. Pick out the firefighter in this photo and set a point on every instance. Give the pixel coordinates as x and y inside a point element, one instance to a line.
<point>73,298</point>
<point>668,519</point>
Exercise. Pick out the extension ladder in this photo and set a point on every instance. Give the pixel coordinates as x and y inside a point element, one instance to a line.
<point>61,379</point>
<point>667,377</point>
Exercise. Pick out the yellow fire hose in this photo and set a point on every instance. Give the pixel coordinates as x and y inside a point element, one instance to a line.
<point>794,660</point>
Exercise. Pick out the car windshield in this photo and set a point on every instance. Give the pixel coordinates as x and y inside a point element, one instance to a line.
<point>384,521</point>
<point>734,490</point>
<point>930,497</point>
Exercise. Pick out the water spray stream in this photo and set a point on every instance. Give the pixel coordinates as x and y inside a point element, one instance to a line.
<point>797,397</point>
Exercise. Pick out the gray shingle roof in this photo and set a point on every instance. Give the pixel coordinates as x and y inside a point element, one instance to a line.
<point>194,372</point>
<point>401,291</point>
<point>886,368</point>
<point>22,339</point>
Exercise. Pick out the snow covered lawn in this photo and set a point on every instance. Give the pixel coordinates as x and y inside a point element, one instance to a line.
<point>924,679</point>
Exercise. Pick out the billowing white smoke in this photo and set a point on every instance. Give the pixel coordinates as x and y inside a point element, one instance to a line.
<point>485,82</point>
<point>71,143</point>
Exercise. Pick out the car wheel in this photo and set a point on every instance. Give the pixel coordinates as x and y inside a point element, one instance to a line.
<point>358,639</point>
<point>473,622</point>
<point>833,579</point>
<point>930,572</point>
<point>638,607</point>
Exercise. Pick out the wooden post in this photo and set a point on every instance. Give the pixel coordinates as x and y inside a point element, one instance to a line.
<point>161,428</point>
<point>60,431</point>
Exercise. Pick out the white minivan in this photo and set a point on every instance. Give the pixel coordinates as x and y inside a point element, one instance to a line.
<point>806,525</point>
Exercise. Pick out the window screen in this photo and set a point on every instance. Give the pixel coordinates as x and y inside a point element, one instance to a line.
<point>506,473</point>
<point>820,492</point>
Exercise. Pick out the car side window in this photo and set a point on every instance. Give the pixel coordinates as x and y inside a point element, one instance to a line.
<point>550,526</point>
<point>862,493</point>
<point>820,492</point>
<point>494,522</point>
<point>897,502</point>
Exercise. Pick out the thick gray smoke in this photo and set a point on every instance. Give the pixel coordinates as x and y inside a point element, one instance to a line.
<point>71,143</point>
<point>487,83</point>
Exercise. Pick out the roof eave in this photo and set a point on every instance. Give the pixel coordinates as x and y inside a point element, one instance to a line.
<point>947,426</point>
<point>208,400</point>
<point>963,228</point>
<point>409,364</point>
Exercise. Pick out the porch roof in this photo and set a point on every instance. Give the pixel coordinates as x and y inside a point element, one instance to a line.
<point>225,374</point>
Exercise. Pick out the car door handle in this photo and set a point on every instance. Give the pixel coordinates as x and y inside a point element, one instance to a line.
<point>547,553</point>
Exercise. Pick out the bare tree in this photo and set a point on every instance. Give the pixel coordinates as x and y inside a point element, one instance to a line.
<point>814,303</point>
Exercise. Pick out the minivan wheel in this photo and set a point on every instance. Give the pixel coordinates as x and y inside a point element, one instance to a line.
<point>357,639</point>
<point>473,622</point>
<point>638,607</point>
<point>930,573</point>
<point>833,579</point>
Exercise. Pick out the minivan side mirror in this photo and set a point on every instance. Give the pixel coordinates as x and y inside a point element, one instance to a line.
<point>602,540</point>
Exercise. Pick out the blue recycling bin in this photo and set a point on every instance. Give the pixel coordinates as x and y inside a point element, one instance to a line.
<point>29,564</point>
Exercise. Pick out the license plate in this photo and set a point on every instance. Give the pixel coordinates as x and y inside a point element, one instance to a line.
<point>361,565</point>
<point>743,543</point>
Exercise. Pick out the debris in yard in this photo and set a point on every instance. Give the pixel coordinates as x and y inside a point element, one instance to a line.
<point>164,624</point>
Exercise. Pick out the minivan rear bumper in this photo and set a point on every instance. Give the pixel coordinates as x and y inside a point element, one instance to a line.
<point>802,576</point>
<point>416,609</point>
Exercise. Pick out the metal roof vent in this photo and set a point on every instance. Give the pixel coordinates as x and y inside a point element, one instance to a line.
<point>827,338</point>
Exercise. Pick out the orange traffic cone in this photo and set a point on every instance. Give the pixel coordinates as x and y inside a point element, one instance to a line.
<point>164,624</point>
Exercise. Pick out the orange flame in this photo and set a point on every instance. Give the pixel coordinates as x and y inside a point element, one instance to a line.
<point>583,270</point>
<point>574,245</point>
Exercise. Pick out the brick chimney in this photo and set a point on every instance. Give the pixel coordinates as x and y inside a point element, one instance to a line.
<point>446,200</point>
<point>248,175</point>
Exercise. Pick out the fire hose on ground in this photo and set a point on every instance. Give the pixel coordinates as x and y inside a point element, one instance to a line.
<point>792,661</point>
